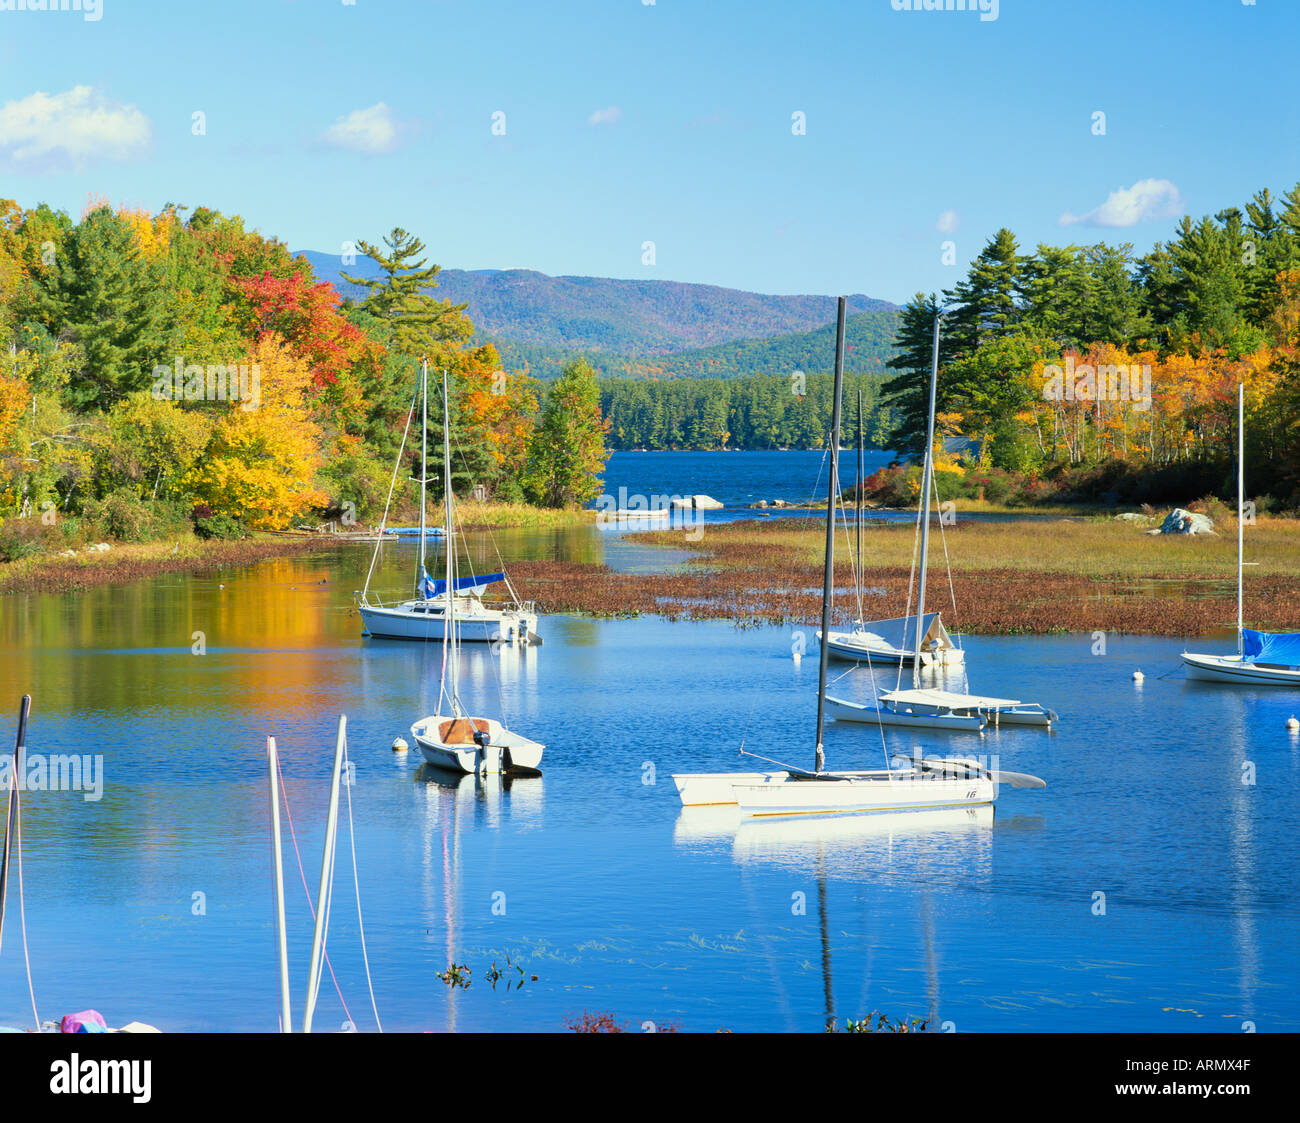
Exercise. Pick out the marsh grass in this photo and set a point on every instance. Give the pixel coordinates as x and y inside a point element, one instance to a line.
<point>1028,576</point>
<point>494,516</point>
<point>1088,547</point>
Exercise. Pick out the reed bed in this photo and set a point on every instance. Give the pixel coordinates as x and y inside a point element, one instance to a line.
<point>1007,578</point>
<point>496,516</point>
<point>49,573</point>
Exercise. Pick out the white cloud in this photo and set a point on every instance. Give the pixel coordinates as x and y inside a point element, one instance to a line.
<point>610,116</point>
<point>948,222</point>
<point>46,132</point>
<point>1146,200</point>
<point>370,130</point>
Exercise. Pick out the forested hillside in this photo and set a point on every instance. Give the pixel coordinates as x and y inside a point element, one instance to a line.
<point>547,320</point>
<point>869,346</point>
<point>177,371</point>
<point>1096,363</point>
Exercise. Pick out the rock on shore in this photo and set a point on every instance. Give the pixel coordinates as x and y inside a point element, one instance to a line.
<point>1179,521</point>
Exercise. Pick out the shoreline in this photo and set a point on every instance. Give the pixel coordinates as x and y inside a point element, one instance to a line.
<point>122,564</point>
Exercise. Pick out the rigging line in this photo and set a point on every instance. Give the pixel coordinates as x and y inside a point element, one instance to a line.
<point>325,955</point>
<point>911,580</point>
<point>391,486</point>
<point>952,592</point>
<point>496,671</point>
<point>356,885</point>
<point>749,717</point>
<point>22,899</point>
<point>812,496</point>
<point>492,541</point>
<point>875,689</point>
<point>854,561</point>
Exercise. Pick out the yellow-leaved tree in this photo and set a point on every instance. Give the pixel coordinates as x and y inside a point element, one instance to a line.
<point>260,465</point>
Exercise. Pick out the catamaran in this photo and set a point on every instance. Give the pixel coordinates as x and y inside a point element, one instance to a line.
<point>919,785</point>
<point>920,707</point>
<point>1263,658</point>
<point>436,602</point>
<point>452,738</point>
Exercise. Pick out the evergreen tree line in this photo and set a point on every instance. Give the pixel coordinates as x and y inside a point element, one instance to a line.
<point>764,411</point>
<point>1216,305</point>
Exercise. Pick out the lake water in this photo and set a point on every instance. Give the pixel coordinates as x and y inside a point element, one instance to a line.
<point>154,902</point>
<point>735,479</point>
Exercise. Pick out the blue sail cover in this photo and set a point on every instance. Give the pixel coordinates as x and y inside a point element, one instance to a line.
<point>1271,647</point>
<point>430,588</point>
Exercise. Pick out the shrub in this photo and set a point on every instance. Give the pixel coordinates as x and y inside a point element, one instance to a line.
<point>123,516</point>
<point>1214,509</point>
<point>20,538</point>
<point>209,524</point>
<point>896,486</point>
<point>997,485</point>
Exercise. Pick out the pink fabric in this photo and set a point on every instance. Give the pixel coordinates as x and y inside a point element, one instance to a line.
<point>76,1023</point>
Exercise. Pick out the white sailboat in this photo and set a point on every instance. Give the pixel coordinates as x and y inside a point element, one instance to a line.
<point>426,616</point>
<point>918,707</point>
<point>451,738</point>
<point>921,785</point>
<point>893,642</point>
<point>1262,658</point>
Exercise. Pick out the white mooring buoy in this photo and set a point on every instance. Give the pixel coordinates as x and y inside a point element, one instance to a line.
<point>399,745</point>
<point>1138,676</point>
<point>1292,724</point>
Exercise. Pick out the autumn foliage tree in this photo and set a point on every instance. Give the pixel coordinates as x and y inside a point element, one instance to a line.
<point>261,463</point>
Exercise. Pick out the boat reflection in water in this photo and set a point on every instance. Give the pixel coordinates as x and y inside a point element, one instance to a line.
<point>860,847</point>
<point>913,848</point>
<point>453,805</point>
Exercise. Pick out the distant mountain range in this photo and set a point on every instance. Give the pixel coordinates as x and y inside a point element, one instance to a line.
<point>657,329</point>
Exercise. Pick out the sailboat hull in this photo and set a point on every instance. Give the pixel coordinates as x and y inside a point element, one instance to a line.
<point>1233,668</point>
<point>849,792</point>
<point>414,621</point>
<point>841,710</point>
<point>715,789</point>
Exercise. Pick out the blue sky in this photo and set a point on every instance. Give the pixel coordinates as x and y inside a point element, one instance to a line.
<point>628,122</point>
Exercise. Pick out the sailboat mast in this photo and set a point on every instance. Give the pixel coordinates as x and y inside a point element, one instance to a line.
<point>926,472</point>
<point>1241,502</point>
<point>829,575</point>
<point>857,528</point>
<point>424,474</point>
<point>450,621</point>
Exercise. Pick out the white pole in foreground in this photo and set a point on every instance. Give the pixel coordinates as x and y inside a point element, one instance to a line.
<point>273,761</point>
<point>326,867</point>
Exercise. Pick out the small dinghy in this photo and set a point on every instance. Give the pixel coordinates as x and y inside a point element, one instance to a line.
<point>475,744</point>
